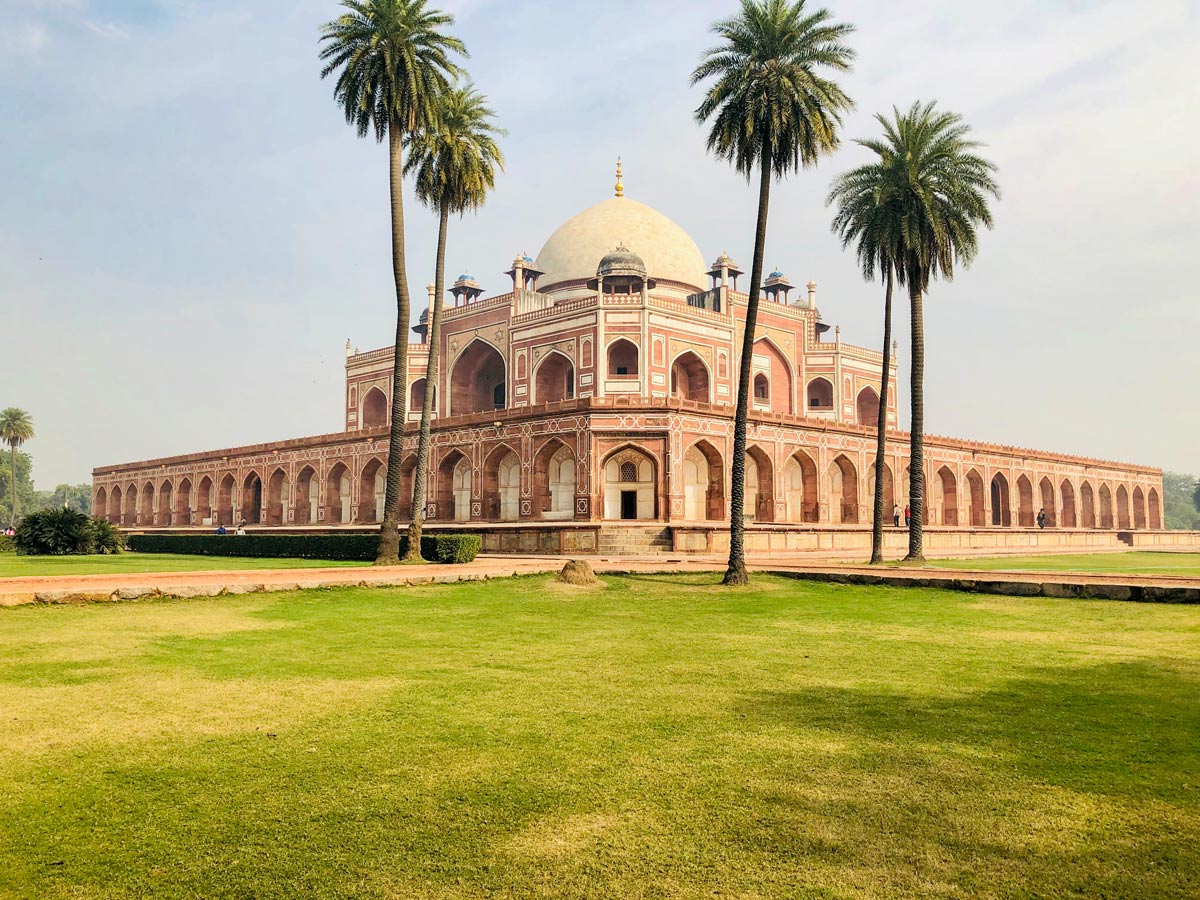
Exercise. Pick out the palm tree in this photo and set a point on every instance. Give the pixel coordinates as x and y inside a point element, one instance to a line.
<point>455,165</point>
<point>937,191</point>
<point>393,63</point>
<point>867,218</point>
<point>16,427</point>
<point>772,108</point>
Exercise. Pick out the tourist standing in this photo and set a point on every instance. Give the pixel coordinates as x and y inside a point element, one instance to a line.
<point>907,515</point>
<point>1041,517</point>
<point>896,514</point>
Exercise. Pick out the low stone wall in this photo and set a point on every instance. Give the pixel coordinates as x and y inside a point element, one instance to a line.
<point>938,541</point>
<point>1164,540</point>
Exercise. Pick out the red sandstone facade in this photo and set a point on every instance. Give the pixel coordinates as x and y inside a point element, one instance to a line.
<point>601,389</point>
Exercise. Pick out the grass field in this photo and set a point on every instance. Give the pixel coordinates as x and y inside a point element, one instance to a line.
<point>654,738</point>
<point>1133,562</point>
<point>12,565</point>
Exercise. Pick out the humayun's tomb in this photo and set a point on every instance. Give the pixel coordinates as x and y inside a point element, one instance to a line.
<point>590,409</point>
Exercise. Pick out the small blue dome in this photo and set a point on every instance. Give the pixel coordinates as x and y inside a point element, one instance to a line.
<point>526,258</point>
<point>466,276</point>
<point>776,274</point>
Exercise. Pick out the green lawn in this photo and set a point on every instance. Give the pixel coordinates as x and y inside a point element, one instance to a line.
<point>1133,562</point>
<point>655,738</point>
<point>12,565</point>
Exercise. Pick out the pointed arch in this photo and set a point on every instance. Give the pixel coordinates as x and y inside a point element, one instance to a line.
<point>478,379</point>
<point>623,356</point>
<point>703,483</point>
<point>978,507</point>
<point>374,409</point>
<point>166,497</point>
<point>759,499</point>
<point>866,405</point>
<point>252,498</point>
<point>502,484</point>
<point>408,475</point>
<point>1001,504</point>
<point>690,378</point>
<point>779,377</point>
<point>307,502</point>
<point>947,486</point>
<point>114,502</point>
<point>820,394</point>
<point>1066,491</point>
<point>1139,507</point>
<point>631,478</point>
<point>146,505</point>
<point>204,501</point>
<point>278,498</point>
<point>1106,506</point>
<point>1025,512</point>
<point>554,472</point>
<point>454,478</point>
<point>1122,507</point>
<point>553,378</point>
<point>416,399</point>
<point>800,488</point>
<point>1046,489</point>
<point>100,504</point>
<point>1087,506</point>
<point>843,491</point>
<point>131,504</point>
<point>1153,509</point>
<point>184,502</point>
<point>338,495</point>
<point>369,510</point>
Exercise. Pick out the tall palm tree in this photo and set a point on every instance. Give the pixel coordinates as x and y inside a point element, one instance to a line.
<point>867,218</point>
<point>937,191</point>
<point>454,164</point>
<point>16,427</point>
<point>392,59</point>
<point>772,108</point>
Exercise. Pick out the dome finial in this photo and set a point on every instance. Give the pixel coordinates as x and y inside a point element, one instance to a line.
<point>620,186</point>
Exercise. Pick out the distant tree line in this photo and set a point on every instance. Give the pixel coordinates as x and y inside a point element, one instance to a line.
<point>29,499</point>
<point>1181,501</point>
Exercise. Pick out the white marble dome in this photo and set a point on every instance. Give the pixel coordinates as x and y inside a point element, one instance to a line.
<point>576,248</point>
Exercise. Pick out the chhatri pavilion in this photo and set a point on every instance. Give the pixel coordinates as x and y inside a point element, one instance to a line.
<point>590,407</point>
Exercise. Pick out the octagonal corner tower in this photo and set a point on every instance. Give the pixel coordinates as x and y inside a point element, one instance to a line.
<point>570,257</point>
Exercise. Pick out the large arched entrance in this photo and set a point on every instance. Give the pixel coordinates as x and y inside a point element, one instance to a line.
<point>226,497</point>
<point>554,379</point>
<point>978,511</point>
<point>183,503</point>
<point>843,492</point>
<point>454,487</point>
<point>408,475</point>
<point>1047,491</point>
<point>131,502</point>
<point>165,498</point>
<point>800,480</point>
<point>1069,517</point>
<point>946,486</point>
<point>622,359</point>
<point>554,481</point>
<point>703,483</point>
<point>338,507</point>
<point>630,485</point>
<point>889,490</point>
<point>370,479</point>
<point>204,501</point>
<point>820,394</point>
<point>1087,504</point>
<point>689,378</point>
<point>278,498</point>
<point>477,381</point>
<point>867,406</point>
<point>307,497</point>
<point>1106,507</point>
<point>1154,511</point>
<point>374,409</point>
<point>502,485</point>
<point>1025,501</point>
<point>100,504</point>
<point>759,499</point>
<point>146,508</point>
<point>1122,507</point>
<point>1001,508</point>
<point>776,388</point>
<point>252,499</point>
<point>1139,508</point>
<point>114,501</point>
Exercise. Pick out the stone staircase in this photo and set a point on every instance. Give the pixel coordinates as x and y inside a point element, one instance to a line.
<point>634,540</point>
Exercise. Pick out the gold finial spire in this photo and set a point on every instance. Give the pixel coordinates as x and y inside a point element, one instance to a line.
<point>620,186</point>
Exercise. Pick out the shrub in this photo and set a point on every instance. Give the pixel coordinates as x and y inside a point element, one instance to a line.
<point>57,532</point>
<point>7,544</point>
<point>444,548</point>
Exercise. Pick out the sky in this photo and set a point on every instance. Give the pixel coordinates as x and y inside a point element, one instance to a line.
<point>189,231</point>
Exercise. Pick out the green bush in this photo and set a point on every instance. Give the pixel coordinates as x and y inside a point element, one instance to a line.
<point>444,548</point>
<point>7,544</point>
<point>57,532</point>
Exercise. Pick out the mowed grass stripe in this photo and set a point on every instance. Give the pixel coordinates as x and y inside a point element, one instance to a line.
<point>656,737</point>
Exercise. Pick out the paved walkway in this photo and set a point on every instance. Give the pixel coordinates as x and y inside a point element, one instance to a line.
<point>77,588</point>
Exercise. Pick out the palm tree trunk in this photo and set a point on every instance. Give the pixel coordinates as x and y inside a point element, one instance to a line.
<point>12,522</point>
<point>881,437</point>
<point>420,475</point>
<point>916,452</point>
<point>389,532</point>
<point>736,573</point>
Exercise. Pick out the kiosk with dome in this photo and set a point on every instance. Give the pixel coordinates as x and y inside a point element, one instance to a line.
<point>589,408</point>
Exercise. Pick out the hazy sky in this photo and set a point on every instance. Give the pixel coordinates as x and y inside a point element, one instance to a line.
<point>189,232</point>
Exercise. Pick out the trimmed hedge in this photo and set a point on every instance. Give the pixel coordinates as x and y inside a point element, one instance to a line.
<point>444,548</point>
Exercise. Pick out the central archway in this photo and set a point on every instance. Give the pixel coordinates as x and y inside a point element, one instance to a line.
<point>1046,488</point>
<point>502,485</point>
<point>183,503</point>
<point>477,381</point>
<point>1001,508</point>
<point>337,495</point>
<point>630,485</point>
<point>252,499</point>
<point>1067,491</point>
<point>947,486</point>
<point>1106,507</point>
<point>1025,502</point>
<point>374,409</point>
<point>454,487</point>
<point>1087,502</point>
<point>978,510</point>
<point>554,481</point>
<point>800,478</point>
<point>867,406</point>
<point>759,499</point>
<point>278,498</point>
<point>204,501</point>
